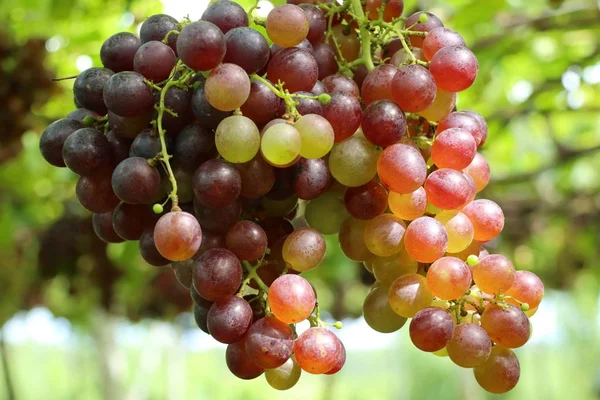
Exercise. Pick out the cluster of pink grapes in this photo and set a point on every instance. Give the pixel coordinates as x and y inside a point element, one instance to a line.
<point>261,149</point>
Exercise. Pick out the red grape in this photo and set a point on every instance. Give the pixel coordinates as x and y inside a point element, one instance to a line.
<point>425,239</point>
<point>402,168</point>
<point>414,88</point>
<point>291,298</point>
<point>317,350</point>
<point>447,189</point>
<point>177,235</point>
<point>453,148</point>
<point>383,123</point>
<point>454,68</point>
<point>431,329</point>
<point>269,343</point>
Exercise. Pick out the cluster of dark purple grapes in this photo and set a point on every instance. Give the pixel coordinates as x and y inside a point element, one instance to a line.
<point>26,83</point>
<point>258,151</point>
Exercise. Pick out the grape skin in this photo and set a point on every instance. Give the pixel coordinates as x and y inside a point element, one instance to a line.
<point>239,363</point>
<point>201,45</point>
<point>409,294</point>
<point>217,274</point>
<point>177,235</point>
<point>269,343</point>
<point>291,298</point>
<point>285,376</point>
<point>508,326</point>
<point>316,350</point>
<point>378,314</point>
<point>431,329</point>
<point>500,373</point>
<point>237,139</point>
<point>287,25</point>
<point>229,319</point>
<point>470,345</point>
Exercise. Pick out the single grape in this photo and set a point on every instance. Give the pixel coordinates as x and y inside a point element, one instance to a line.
<point>131,220</point>
<point>383,235</point>
<point>344,114</point>
<point>154,60</point>
<point>506,325</point>
<point>459,229</point>
<point>378,314</point>
<point>366,201</point>
<point>448,278</point>
<point>269,343</point>
<point>88,89</point>
<point>414,88</point>
<point>494,274</point>
<point>291,298</point>
<point>439,38</point>
<point>194,146</point>
<point>408,206</point>
<point>236,358</point>
<point>53,139</point>
<point>177,235</point>
<point>134,181</point>
<point>387,269</point>
<point>325,58</point>
<point>341,360</point>
<point>287,25</point>
<point>217,274</point>
<point>453,148</point>
<point>206,115</point>
<point>285,376</point>
<point>311,178</point>
<point>454,68</point>
<point>118,51</point>
<point>156,28</point>
<point>262,104</point>
<point>227,87</point>
<point>341,83</point>
<point>353,162</point>
<point>447,189</point>
<point>482,124</point>
<point>479,170</point>
<point>201,45</point>
<point>316,21</point>
<point>317,350</point>
<point>500,372</point>
<point>487,218</point>
<point>103,227</point>
<point>95,193</point>
<point>347,40</point>
<point>352,240</point>
<point>377,85</point>
<point>200,317</point>
<point>148,250</point>
<point>129,127</point>
<point>281,144</point>
<point>87,152</point>
<point>217,184</point>
<point>409,294</point>
<point>426,239</point>
<point>413,23</point>
<point>237,139</point>
<point>470,345</point>
<point>431,329</point>
<point>326,213</point>
<point>228,320</point>
<point>383,123</point>
<point>126,94</point>
<point>317,136</point>
<point>226,15</point>
<point>258,177</point>
<point>401,168</point>
<point>304,249</point>
<point>247,240</point>
<point>464,121</point>
<point>527,288</point>
<point>440,108</point>
<point>120,146</point>
<point>295,68</point>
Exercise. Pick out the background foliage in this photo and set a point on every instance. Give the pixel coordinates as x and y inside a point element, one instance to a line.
<point>538,87</point>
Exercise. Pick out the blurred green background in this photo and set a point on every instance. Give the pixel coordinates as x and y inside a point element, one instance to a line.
<point>101,324</point>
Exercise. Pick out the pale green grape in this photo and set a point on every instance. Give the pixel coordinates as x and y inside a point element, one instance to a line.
<point>317,135</point>
<point>326,213</point>
<point>459,229</point>
<point>285,376</point>
<point>378,314</point>
<point>237,139</point>
<point>281,144</point>
<point>353,162</point>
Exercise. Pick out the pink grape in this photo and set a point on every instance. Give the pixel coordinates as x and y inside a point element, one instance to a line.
<point>431,329</point>
<point>425,239</point>
<point>479,170</point>
<point>500,372</point>
<point>509,327</point>
<point>402,168</point>
<point>410,205</point>
<point>454,68</point>
<point>439,38</point>
<point>448,278</point>
<point>447,189</point>
<point>414,88</point>
<point>527,288</point>
<point>453,148</point>
<point>470,345</point>
<point>487,218</point>
<point>463,120</point>
<point>291,298</point>
<point>494,274</point>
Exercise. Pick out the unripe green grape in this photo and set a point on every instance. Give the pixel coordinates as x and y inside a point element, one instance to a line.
<point>326,213</point>
<point>378,314</point>
<point>284,377</point>
<point>459,229</point>
<point>317,135</point>
<point>281,144</point>
<point>353,162</point>
<point>237,139</point>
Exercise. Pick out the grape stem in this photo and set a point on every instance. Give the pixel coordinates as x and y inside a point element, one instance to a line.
<point>64,78</point>
<point>253,275</point>
<point>365,34</point>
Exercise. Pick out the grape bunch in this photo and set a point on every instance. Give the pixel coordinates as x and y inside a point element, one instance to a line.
<point>344,125</point>
<point>26,84</point>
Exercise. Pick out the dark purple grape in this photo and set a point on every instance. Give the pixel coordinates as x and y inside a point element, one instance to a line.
<point>88,89</point>
<point>217,184</point>
<point>179,101</point>
<point>229,319</point>
<point>344,114</point>
<point>200,316</point>
<point>341,83</point>
<point>210,240</point>
<point>325,57</point>
<point>128,127</point>
<point>131,220</point>
<point>366,201</point>
<point>95,193</point>
<point>311,178</point>
<point>383,123</point>
<point>305,106</point>
<point>217,274</point>
<point>136,182</point>
<point>79,114</point>
<point>217,219</point>
<point>258,177</point>
<point>127,95</point>
<point>87,152</point>
<point>194,145</point>
<point>157,26</point>
<point>247,48</point>
<point>53,140</point>
<point>226,14</point>
<point>247,240</point>
<point>103,226</point>
<point>149,251</point>
<point>275,228</point>
<point>120,146</point>
<point>206,115</point>
<point>238,362</point>
<point>147,144</point>
<point>154,60</point>
<point>262,104</point>
<point>295,67</point>
<point>283,187</point>
<point>317,23</point>
<point>118,51</point>
<point>196,298</point>
<point>201,45</point>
